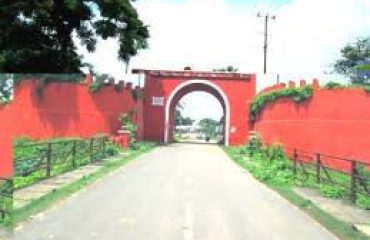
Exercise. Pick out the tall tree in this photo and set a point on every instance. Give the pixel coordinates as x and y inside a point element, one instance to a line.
<point>37,35</point>
<point>354,55</point>
<point>209,127</point>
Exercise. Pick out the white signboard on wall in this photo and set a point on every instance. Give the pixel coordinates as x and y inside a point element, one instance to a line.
<point>158,101</point>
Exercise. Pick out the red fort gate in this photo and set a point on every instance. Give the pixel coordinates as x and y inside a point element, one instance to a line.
<point>164,89</point>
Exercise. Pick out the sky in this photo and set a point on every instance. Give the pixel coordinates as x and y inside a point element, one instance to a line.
<point>304,40</point>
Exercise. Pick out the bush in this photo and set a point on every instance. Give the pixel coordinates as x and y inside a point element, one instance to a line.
<point>276,152</point>
<point>330,191</point>
<point>366,88</point>
<point>112,149</point>
<point>254,144</point>
<point>363,201</point>
<point>333,85</point>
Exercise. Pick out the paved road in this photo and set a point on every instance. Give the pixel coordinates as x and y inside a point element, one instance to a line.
<point>177,192</point>
<point>5,234</point>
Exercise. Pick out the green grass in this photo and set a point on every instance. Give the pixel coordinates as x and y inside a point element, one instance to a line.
<point>6,203</point>
<point>341,229</point>
<point>48,200</point>
<point>30,157</point>
<point>278,176</point>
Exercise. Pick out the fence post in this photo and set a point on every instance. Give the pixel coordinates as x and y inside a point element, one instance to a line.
<point>353,181</point>
<point>48,160</point>
<point>91,149</point>
<point>295,158</point>
<point>104,146</point>
<point>74,153</point>
<point>318,168</point>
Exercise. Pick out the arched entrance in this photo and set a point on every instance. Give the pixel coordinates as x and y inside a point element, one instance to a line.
<point>163,89</point>
<point>190,86</point>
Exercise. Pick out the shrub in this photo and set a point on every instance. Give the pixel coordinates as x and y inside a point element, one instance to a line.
<point>254,144</point>
<point>363,201</point>
<point>333,85</point>
<point>112,149</point>
<point>127,123</point>
<point>96,86</point>
<point>276,152</point>
<point>366,88</point>
<point>330,191</point>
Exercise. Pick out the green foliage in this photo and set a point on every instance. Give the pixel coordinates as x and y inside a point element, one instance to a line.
<point>6,88</point>
<point>209,127</point>
<point>63,192</point>
<point>268,164</point>
<point>180,120</point>
<point>334,85</point>
<point>254,144</point>
<point>6,202</point>
<point>96,86</point>
<point>128,125</point>
<point>276,152</point>
<point>331,191</point>
<point>271,165</point>
<point>363,201</point>
<point>112,149</point>
<point>49,27</point>
<point>352,54</point>
<point>261,101</point>
<point>30,157</point>
<point>366,88</point>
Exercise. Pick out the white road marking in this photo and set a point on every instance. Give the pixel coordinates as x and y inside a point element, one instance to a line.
<point>188,222</point>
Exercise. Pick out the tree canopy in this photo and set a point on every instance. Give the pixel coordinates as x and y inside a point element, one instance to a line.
<point>6,87</point>
<point>209,127</point>
<point>38,36</point>
<point>354,59</point>
<point>181,120</point>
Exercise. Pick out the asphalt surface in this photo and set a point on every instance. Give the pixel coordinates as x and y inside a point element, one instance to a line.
<point>181,191</point>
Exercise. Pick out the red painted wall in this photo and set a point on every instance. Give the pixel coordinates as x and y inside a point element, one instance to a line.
<point>6,156</point>
<point>239,92</point>
<point>334,122</point>
<point>65,110</point>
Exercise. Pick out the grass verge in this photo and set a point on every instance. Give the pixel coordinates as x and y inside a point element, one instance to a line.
<point>275,176</point>
<point>339,228</point>
<point>48,200</point>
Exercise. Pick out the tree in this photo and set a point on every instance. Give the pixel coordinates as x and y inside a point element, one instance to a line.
<point>6,87</point>
<point>353,55</point>
<point>209,127</point>
<point>181,120</point>
<point>37,36</point>
<point>229,69</point>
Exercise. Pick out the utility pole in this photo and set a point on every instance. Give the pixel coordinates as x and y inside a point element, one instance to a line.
<point>266,17</point>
